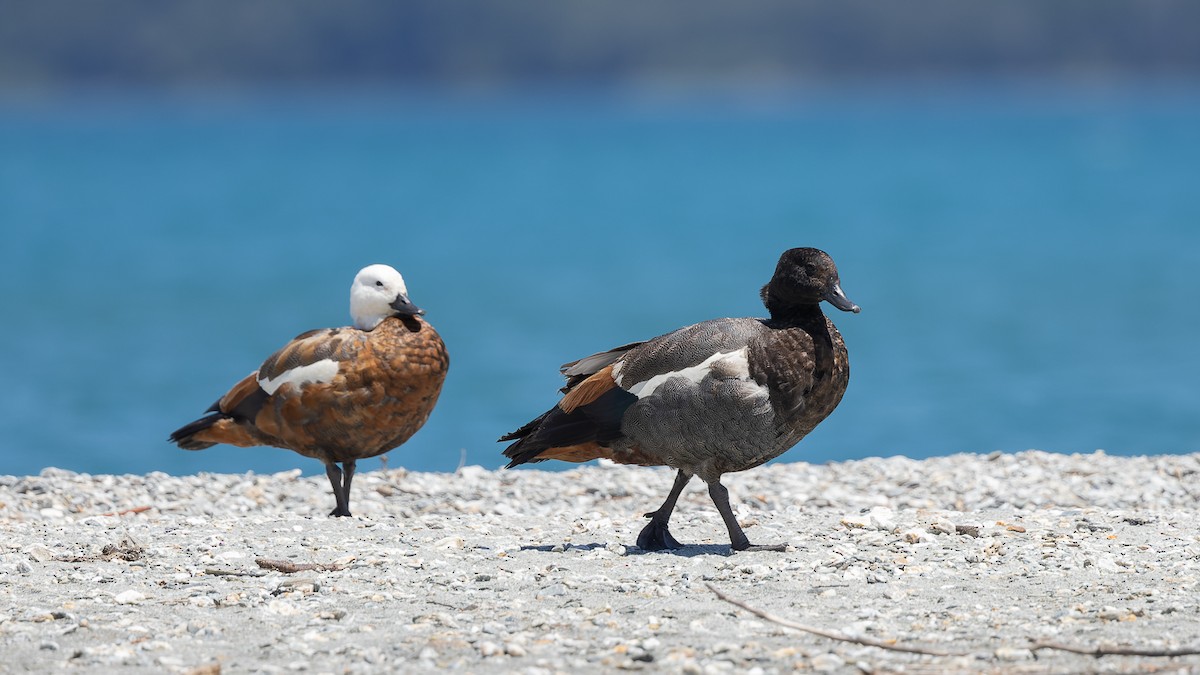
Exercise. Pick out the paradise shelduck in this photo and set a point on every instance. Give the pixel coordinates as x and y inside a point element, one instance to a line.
<point>719,396</point>
<point>337,394</point>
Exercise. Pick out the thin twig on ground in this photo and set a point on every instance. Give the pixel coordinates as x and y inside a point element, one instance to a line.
<point>1115,651</point>
<point>1096,651</point>
<point>289,567</point>
<point>233,573</point>
<point>833,635</point>
<point>123,512</point>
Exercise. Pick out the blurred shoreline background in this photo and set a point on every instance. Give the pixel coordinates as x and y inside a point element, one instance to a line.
<point>1007,187</point>
<point>51,46</point>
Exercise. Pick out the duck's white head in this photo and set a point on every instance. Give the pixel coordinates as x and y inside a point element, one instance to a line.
<point>378,292</point>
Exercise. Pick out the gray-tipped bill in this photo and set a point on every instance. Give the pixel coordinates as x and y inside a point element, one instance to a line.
<point>838,299</point>
<point>404,306</point>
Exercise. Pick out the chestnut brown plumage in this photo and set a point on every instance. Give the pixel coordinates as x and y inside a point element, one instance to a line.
<point>337,394</point>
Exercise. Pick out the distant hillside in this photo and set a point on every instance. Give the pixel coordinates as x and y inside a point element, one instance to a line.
<point>187,42</point>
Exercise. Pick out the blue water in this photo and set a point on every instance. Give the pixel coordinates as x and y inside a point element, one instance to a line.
<point>1026,260</point>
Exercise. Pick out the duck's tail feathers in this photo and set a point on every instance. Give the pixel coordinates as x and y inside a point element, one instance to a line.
<point>185,436</point>
<point>578,431</point>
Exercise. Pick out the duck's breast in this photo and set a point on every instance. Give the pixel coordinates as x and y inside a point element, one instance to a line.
<point>350,394</point>
<point>806,369</point>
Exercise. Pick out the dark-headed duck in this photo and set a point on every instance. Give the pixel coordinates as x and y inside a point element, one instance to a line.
<point>708,399</point>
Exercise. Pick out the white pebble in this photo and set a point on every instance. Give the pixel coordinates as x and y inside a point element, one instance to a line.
<point>40,553</point>
<point>129,597</point>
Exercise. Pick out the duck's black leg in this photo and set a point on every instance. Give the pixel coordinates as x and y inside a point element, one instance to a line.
<point>737,539</point>
<point>655,536</point>
<point>341,490</point>
<point>348,467</point>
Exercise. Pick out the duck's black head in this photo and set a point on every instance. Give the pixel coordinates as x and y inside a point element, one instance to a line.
<point>803,278</point>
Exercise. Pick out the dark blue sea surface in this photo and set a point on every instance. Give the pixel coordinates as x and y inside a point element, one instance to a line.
<point>1026,260</point>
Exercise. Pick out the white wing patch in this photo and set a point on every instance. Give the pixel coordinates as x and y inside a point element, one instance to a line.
<point>729,363</point>
<point>321,371</point>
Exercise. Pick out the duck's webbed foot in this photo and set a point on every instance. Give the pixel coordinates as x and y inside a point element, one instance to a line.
<point>655,536</point>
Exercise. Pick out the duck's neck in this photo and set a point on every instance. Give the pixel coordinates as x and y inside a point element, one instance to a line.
<point>794,313</point>
<point>368,323</point>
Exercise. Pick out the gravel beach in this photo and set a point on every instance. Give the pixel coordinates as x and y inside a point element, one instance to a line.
<point>998,560</point>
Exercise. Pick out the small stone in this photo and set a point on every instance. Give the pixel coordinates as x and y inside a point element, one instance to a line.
<point>40,553</point>
<point>129,597</point>
<point>641,655</point>
<point>856,521</point>
<point>1111,614</point>
<point>826,662</point>
<point>881,518</point>
<point>282,608</point>
<point>614,547</point>
<point>855,574</point>
<point>301,585</point>
<point>969,530</point>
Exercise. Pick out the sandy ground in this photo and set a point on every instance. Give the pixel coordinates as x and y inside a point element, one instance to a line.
<point>986,557</point>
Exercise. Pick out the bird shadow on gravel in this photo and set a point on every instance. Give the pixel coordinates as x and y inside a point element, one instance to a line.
<point>687,551</point>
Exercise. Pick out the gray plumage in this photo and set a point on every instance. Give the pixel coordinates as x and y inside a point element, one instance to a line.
<point>712,398</point>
